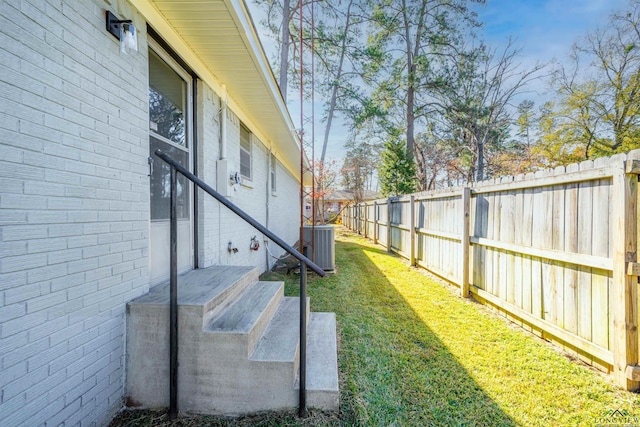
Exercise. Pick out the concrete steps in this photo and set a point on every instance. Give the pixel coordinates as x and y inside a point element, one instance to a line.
<point>238,344</point>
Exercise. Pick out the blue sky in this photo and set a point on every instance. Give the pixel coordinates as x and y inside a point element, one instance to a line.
<point>544,29</point>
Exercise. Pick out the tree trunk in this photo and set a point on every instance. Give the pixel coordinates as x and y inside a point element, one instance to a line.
<point>480,165</point>
<point>284,49</point>
<point>411,116</point>
<point>334,91</point>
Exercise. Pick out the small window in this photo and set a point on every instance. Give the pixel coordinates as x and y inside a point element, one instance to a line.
<point>273,173</point>
<point>245,152</point>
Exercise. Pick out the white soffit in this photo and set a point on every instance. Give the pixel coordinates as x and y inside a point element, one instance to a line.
<point>221,35</point>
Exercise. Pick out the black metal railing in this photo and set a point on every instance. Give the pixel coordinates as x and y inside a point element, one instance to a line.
<point>173,281</point>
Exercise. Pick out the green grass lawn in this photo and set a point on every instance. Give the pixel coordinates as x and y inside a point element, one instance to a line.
<point>413,353</point>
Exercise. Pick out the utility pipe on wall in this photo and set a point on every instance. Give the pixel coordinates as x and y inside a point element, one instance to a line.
<point>223,123</point>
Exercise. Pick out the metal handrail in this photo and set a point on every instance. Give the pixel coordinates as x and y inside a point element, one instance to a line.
<point>173,281</point>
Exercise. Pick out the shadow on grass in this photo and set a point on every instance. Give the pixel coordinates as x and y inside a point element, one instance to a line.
<point>394,368</point>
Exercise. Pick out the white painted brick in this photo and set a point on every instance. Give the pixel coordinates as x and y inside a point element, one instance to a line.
<point>13,248</point>
<point>82,241</point>
<point>23,262</point>
<point>24,232</point>
<point>21,201</point>
<point>11,280</point>
<point>79,167</point>
<point>88,264</point>
<point>14,372</point>
<point>65,308</point>
<point>20,385</point>
<point>82,217</point>
<point>46,273</point>
<point>11,218</point>
<point>62,336</point>
<point>12,154</point>
<point>40,389</point>
<point>62,177</point>
<point>46,245</point>
<point>62,362</point>
<point>66,282</point>
<point>44,330</point>
<point>44,188</point>
<point>66,413</point>
<point>39,410</point>
<point>12,311</point>
<point>46,217</point>
<point>65,230</point>
<point>23,323</point>
<point>97,273</point>
<point>64,256</point>
<point>22,293</point>
<point>12,186</point>
<point>95,251</point>
<point>45,301</point>
<point>64,203</point>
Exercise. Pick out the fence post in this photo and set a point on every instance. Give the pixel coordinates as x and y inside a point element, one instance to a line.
<point>375,223</point>
<point>412,230</point>
<point>389,225</point>
<point>624,291</point>
<point>466,205</point>
<point>366,220</point>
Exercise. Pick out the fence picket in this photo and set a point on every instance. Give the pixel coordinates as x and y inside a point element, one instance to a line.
<point>538,247</point>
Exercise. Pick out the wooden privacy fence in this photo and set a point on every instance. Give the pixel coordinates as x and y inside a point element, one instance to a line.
<point>555,251</point>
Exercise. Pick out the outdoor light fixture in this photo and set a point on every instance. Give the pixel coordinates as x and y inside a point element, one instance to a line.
<point>123,30</point>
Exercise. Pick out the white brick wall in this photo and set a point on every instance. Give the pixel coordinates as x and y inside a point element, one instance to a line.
<point>73,210</point>
<point>74,206</point>
<point>217,225</point>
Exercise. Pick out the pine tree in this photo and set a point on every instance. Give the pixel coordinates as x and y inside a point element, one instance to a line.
<point>397,171</point>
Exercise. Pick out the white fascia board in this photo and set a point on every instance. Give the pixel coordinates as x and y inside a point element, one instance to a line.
<point>243,20</point>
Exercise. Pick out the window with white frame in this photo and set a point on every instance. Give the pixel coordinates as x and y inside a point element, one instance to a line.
<point>245,152</point>
<point>273,173</point>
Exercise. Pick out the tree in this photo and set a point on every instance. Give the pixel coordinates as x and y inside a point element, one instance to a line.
<point>414,33</point>
<point>357,169</point>
<point>598,107</point>
<point>326,177</point>
<point>397,169</point>
<point>477,105</point>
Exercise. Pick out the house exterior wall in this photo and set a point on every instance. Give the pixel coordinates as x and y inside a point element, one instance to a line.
<point>74,211</point>
<point>74,206</point>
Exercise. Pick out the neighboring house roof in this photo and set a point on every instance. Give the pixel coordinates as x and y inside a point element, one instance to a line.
<point>347,196</point>
<point>219,41</point>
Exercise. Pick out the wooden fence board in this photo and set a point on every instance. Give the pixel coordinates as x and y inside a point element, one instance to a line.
<point>539,248</point>
<point>585,232</point>
<point>571,215</point>
<point>527,233</point>
<point>600,280</point>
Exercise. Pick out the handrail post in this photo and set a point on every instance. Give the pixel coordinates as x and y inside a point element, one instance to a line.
<point>302,401</point>
<point>173,298</point>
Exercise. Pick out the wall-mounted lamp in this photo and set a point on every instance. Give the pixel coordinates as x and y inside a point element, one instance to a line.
<point>123,30</point>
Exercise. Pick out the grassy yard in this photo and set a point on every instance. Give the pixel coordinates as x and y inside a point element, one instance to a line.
<point>413,353</point>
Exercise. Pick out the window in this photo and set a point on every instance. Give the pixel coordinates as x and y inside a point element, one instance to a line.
<point>273,173</point>
<point>245,152</point>
<point>168,131</point>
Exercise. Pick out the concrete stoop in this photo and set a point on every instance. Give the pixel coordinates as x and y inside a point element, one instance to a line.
<point>238,346</point>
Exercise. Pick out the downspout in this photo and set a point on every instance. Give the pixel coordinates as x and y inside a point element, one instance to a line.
<point>222,167</point>
<point>223,123</point>
<point>267,198</point>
